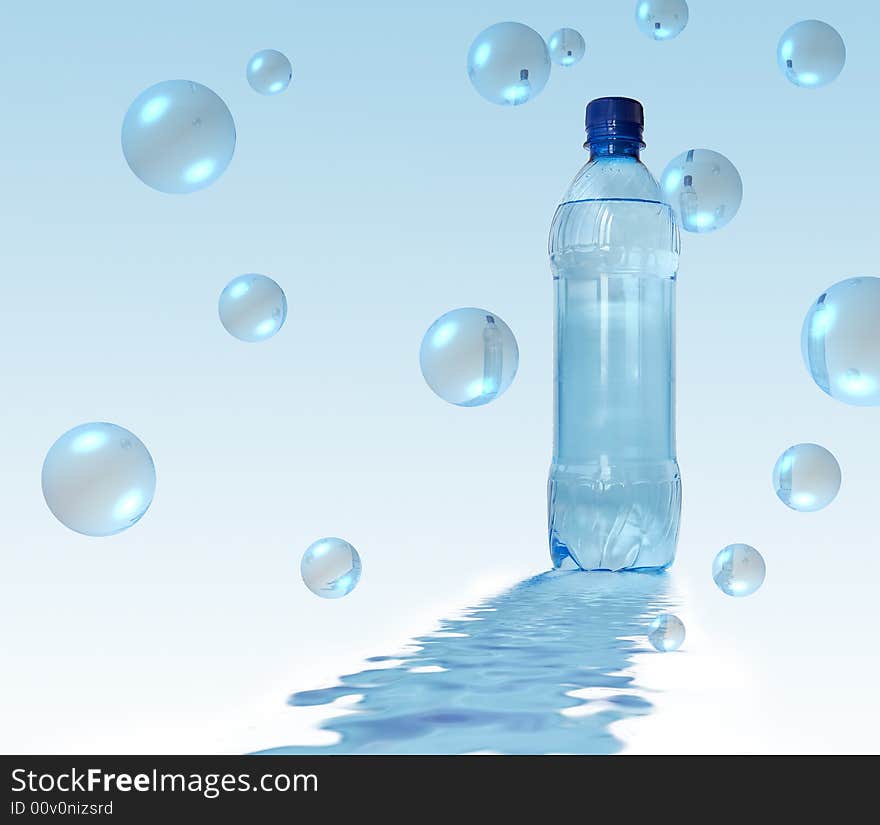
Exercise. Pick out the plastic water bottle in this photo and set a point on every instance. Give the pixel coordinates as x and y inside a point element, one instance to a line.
<point>615,493</point>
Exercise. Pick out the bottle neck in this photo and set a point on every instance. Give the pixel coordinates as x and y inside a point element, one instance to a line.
<point>615,147</point>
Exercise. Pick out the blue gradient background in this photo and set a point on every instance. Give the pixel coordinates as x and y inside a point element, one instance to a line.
<point>381,191</point>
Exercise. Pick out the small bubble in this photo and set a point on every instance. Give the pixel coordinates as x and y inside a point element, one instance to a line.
<point>566,47</point>
<point>738,570</point>
<point>666,633</point>
<point>331,568</point>
<point>252,308</point>
<point>269,72</point>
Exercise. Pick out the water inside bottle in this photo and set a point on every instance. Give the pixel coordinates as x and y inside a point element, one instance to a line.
<point>615,492</point>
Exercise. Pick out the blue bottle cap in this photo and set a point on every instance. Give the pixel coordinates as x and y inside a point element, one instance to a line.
<point>615,117</point>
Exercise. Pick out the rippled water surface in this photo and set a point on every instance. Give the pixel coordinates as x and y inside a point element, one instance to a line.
<point>545,667</point>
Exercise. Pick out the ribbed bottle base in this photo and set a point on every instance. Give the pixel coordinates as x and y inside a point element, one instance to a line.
<point>614,523</point>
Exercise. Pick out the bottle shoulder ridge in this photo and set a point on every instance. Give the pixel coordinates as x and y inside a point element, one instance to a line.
<point>613,179</point>
<point>611,207</point>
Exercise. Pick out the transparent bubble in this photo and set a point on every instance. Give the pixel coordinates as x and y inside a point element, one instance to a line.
<point>566,47</point>
<point>98,479</point>
<point>178,136</point>
<point>841,344</point>
<point>469,357</point>
<point>666,633</point>
<point>703,188</point>
<point>252,308</point>
<point>331,568</point>
<point>806,477</point>
<point>661,19</point>
<point>811,53</point>
<point>269,72</point>
<point>508,64</point>
<point>738,570</point>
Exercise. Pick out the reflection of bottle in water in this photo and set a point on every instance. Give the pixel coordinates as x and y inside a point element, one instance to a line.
<point>563,636</point>
<point>493,358</point>
<point>614,491</point>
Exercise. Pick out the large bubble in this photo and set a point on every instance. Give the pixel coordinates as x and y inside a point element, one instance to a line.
<point>508,64</point>
<point>811,53</point>
<point>98,479</point>
<point>566,47</point>
<point>840,341</point>
<point>703,188</point>
<point>469,357</point>
<point>178,137</point>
